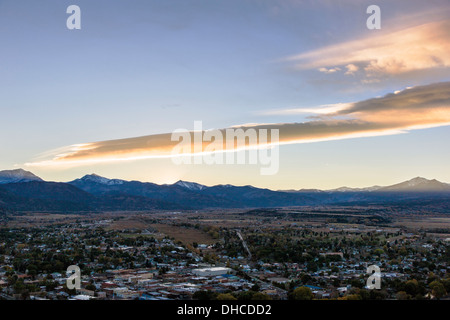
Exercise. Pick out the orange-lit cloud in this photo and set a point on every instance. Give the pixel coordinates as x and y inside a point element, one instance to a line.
<point>413,108</point>
<point>416,48</point>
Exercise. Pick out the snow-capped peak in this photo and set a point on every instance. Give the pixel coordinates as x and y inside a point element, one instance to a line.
<point>101,180</point>
<point>17,176</point>
<point>416,181</point>
<point>419,184</point>
<point>348,189</point>
<point>189,185</point>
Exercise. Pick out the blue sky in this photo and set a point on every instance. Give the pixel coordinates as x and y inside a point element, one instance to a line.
<point>138,68</point>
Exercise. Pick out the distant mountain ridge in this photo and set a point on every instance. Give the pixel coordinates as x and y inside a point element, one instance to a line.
<point>418,184</point>
<point>21,190</point>
<point>190,185</point>
<point>347,189</point>
<point>18,175</point>
<point>191,194</point>
<point>100,180</point>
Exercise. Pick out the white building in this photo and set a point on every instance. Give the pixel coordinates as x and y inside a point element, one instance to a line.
<point>208,272</point>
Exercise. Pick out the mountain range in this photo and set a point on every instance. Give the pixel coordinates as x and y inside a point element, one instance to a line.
<point>21,191</point>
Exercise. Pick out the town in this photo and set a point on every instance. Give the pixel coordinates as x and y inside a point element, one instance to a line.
<point>268,254</point>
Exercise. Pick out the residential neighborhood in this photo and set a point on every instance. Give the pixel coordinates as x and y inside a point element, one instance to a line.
<point>330,262</point>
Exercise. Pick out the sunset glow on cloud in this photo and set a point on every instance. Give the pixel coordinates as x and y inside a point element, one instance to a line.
<point>352,104</point>
<point>415,48</point>
<point>414,108</point>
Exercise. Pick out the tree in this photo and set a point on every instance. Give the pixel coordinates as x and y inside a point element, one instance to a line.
<point>437,289</point>
<point>261,296</point>
<point>204,295</point>
<point>256,287</point>
<point>412,287</point>
<point>432,277</point>
<point>378,252</point>
<point>446,284</point>
<point>352,297</point>
<point>312,267</point>
<point>402,295</point>
<point>246,295</point>
<point>302,293</point>
<point>91,287</point>
<point>306,278</point>
<point>356,283</point>
<point>226,296</point>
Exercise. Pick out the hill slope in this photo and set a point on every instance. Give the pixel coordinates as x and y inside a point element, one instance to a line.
<point>94,193</point>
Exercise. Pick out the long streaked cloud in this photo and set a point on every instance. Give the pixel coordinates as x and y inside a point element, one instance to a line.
<point>416,48</point>
<point>413,108</point>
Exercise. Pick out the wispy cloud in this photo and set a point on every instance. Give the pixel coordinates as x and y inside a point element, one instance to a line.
<point>409,109</point>
<point>351,69</point>
<point>416,48</point>
<point>330,70</point>
<point>321,110</point>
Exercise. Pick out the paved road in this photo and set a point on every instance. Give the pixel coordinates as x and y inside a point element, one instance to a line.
<point>245,245</point>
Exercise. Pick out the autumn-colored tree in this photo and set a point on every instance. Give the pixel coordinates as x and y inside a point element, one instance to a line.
<point>226,296</point>
<point>302,293</point>
<point>261,296</point>
<point>437,289</point>
<point>402,295</point>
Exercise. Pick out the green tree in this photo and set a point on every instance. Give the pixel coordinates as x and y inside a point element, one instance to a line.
<point>352,297</point>
<point>378,252</point>
<point>91,287</point>
<point>204,295</point>
<point>261,296</point>
<point>412,287</point>
<point>302,293</point>
<point>256,287</point>
<point>226,296</point>
<point>246,295</point>
<point>437,289</point>
<point>402,295</point>
<point>446,284</point>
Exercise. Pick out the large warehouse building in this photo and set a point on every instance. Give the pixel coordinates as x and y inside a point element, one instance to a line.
<point>208,272</point>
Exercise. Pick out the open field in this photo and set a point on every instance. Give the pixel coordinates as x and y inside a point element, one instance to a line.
<point>41,219</point>
<point>185,235</point>
<point>127,223</point>
<point>420,222</point>
<point>187,226</point>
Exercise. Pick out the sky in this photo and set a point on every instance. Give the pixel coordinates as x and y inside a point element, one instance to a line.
<point>354,107</point>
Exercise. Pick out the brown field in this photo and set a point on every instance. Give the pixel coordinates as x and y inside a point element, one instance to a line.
<point>127,224</point>
<point>167,223</point>
<point>186,235</point>
<point>419,222</point>
<point>42,219</point>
